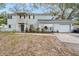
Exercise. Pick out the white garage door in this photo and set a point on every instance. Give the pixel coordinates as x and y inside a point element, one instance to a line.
<point>64,28</point>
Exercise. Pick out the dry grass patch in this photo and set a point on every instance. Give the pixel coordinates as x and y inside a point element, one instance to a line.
<point>32,45</point>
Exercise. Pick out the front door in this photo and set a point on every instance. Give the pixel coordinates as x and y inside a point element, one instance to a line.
<point>22,27</point>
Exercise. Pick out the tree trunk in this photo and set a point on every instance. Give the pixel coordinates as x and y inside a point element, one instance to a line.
<point>71,13</point>
<point>62,15</point>
<point>62,10</point>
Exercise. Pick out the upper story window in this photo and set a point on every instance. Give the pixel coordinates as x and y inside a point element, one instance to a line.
<point>22,16</point>
<point>33,17</point>
<point>29,16</point>
<point>9,16</point>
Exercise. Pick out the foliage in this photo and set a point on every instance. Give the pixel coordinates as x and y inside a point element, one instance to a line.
<point>3,19</point>
<point>42,29</point>
<point>13,31</point>
<point>37,29</point>
<point>73,6</point>
<point>61,9</point>
<point>2,5</point>
<point>77,22</point>
<point>56,9</point>
<point>2,16</point>
<point>26,29</point>
<point>32,29</point>
<point>21,7</point>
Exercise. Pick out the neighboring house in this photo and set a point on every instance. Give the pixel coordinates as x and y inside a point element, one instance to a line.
<point>21,21</point>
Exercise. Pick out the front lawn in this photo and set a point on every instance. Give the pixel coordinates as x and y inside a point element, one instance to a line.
<point>29,44</point>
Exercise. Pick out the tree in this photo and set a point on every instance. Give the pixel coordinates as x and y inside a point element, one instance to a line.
<point>3,18</point>
<point>31,29</point>
<point>2,5</point>
<point>20,7</point>
<point>74,7</point>
<point>46,6</point>
<point>2,15</point>
<point>65,6</point>
<point>56,9</point>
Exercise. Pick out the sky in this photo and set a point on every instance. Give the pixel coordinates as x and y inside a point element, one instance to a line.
<point>38,10</point>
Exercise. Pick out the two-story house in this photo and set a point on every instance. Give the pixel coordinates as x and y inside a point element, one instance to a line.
<point>20,21</point>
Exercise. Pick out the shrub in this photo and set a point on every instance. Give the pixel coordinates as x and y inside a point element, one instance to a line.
<point>57,31</point>
<point>13,31</point>
<point>32,29</point>
<point>26,29</point>
<point>37,29</point>
<point>42,29</point>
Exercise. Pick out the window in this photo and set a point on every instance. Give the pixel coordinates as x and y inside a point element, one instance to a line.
<point>20,16</point>
<point>24,16</point>
<point>33,17</point>
<point>29,16</point>
<point>9,17</point>
<point>9,26</point>
<point>50,28</point>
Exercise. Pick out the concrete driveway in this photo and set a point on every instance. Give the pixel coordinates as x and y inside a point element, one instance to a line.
<point>68,37</point>
<point>75,34</point>
<point>70,40</point>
